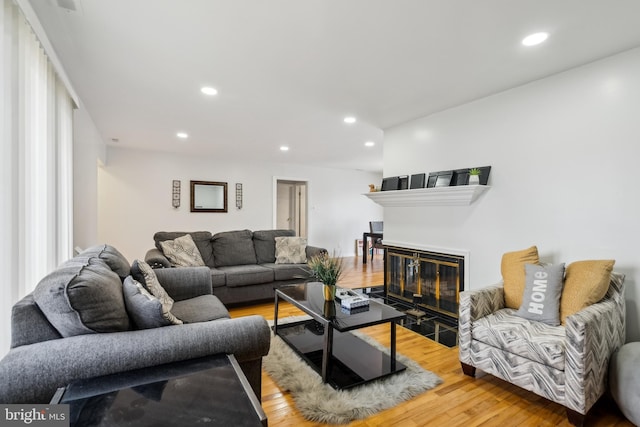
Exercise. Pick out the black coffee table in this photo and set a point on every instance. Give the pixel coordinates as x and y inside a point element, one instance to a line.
<point>211,391</point>
<point>342,359</point>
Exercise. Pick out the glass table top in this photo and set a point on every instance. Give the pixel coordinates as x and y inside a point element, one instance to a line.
<point>310,297</point>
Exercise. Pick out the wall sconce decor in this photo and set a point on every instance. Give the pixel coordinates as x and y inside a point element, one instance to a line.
<point>238,195</point>
<point>175,201</point>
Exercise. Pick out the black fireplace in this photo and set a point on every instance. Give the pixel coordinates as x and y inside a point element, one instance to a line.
<point>425,282</point>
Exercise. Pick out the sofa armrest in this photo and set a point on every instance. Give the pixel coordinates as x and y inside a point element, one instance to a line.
<point>185,282</point>
<point>593,335</point>
<point>474,305</point>
<point>156,259</point>
<point>314,251</point>
<point>32,373</point>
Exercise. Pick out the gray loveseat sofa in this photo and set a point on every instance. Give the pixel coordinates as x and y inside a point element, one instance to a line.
<point>75,325</point>
<point>242,263</point>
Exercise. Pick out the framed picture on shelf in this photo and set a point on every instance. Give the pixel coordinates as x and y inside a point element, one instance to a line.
<point>390,184</point>
<point>417,181</point>
<point>439,179</point>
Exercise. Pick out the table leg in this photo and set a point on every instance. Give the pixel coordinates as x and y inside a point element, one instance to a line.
<point>365,247</point>
<point>327,352</point>
<point>393,346</point>
<point>275,316</point>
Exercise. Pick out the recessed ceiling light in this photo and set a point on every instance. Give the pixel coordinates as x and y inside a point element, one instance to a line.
<point>284,148</point>
<point>207,90</point>
<point>182,135</point>
<point>534,39</point>
<point>350,119</point>
<point>369,144</point>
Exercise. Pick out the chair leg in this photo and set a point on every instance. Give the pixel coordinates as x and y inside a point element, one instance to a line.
<point>575,418</point>
<point>468,370</point>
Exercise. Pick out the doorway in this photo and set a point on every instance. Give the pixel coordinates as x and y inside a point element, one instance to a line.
<point>291,206</point>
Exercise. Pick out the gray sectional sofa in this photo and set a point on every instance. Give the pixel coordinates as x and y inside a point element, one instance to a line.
<point>78,324</point>
<point>242,263</point>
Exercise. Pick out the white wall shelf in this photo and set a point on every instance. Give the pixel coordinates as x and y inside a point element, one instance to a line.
<point>437,196</point>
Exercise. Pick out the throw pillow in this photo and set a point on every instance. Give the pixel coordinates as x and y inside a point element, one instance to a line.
<point>145,309</point>
<point>291,250</point>
<point>143,273</point>
<point>82,296</point>
<point>111,256</point>
<point>586,283</point>
<point>541,299</point>
<point>513,274</point>
<point>265,245</point>
<point>182,252</point>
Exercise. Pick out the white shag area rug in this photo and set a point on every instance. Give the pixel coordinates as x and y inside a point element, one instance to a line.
<point>320,402</point>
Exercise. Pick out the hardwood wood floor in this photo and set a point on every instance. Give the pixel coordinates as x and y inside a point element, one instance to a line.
<point>459,401</point>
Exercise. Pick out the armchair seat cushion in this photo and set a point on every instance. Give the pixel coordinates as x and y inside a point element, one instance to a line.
<point>200,309</point>
<point>531,340</point>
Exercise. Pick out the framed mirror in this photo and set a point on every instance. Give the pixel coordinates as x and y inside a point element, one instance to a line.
<point>208,196</point>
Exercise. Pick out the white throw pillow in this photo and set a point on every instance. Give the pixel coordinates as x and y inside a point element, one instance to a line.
<point>291,250</point>
<point>182,252</point>
<point>150,281</point>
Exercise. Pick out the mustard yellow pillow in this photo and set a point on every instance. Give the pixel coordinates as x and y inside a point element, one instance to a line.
<point>585,283</point>
<point>513,274</point>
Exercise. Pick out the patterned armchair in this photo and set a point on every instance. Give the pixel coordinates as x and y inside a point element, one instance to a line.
<point>566,364</point>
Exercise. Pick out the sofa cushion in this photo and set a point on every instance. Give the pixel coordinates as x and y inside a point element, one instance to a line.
<point>144,309</point>
<point>289,271</point>
<point>535,341</point>
<point>144,274</point>
<point>200,309</point>
<point>541,299</point>
<point>586,283</point>
<point>265,244</point>
<point>111,256</point>
<point>202,239</point>
<point>182,252</point>
<point>244,275</point>
<point>291,250</point>
<point>83,296</point>
<point>233,248</point>
<point>513,274</point>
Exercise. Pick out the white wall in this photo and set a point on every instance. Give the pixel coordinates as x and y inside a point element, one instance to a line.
<point>135,199</point>
<point>88,152</point>
<point>563,152</point>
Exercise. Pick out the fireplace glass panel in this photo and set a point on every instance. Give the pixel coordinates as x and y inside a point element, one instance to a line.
<point>394,275</point>
<point>411,278</point>
<point>429,277</point>
<point>448,288</point>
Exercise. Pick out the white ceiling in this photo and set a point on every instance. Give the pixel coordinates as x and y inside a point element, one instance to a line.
<point>289,71</point>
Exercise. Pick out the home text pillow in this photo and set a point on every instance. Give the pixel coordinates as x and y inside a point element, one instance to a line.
<point>82,296</point>
<point>513,274</point>
<point>143,273</point>
<point>145,310</point>
<point>182,252</point>
<point>586,283</point>
<point>541,298</point>
<point>291,250</point>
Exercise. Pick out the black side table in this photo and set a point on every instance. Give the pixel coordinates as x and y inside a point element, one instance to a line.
<point>210,391</point>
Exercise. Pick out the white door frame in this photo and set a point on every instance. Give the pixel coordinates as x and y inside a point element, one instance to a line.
<point>275,198</point>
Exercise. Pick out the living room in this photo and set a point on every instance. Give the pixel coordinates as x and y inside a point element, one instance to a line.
<point>560,143</point>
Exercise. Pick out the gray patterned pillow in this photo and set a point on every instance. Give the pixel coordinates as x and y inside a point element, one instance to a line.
<point>149,280</point>
<point>182,252</point>
<point>291,250</point>
<point>145,309</point>
<point>541,299</point>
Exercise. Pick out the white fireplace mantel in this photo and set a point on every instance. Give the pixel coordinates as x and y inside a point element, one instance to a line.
<point>437,196</point>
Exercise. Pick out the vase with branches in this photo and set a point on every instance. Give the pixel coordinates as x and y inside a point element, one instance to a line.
<point>327,269</point>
